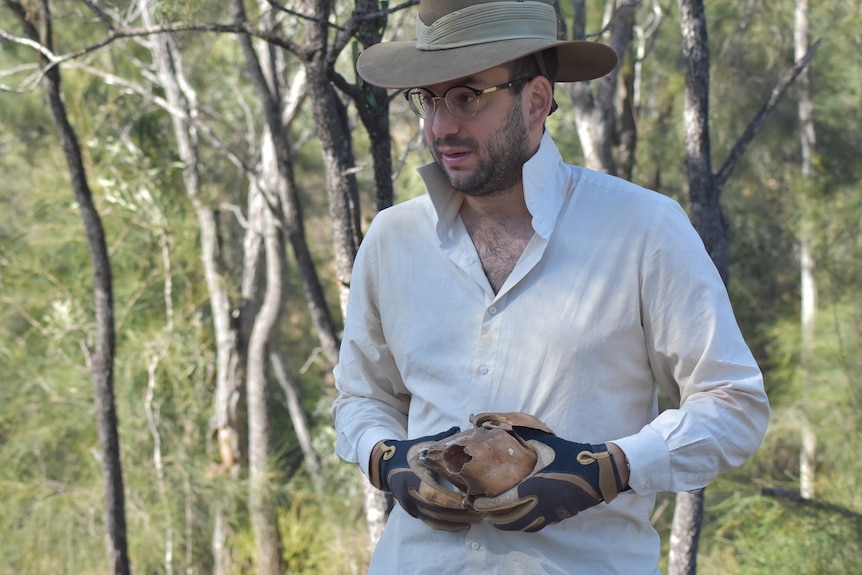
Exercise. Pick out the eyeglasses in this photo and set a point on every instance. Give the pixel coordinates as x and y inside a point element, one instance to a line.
<point>462,101</point>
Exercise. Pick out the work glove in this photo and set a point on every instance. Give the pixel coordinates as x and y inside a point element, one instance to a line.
<point>395,468</point>
<point>568,478</point>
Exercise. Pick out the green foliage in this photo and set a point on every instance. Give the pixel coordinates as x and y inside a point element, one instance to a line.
<point>774,536</point>
<point>51,519</point>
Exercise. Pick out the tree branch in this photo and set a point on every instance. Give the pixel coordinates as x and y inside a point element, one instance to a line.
<point>755,124</point>
<point>113,36</point>
<point>348,32</point>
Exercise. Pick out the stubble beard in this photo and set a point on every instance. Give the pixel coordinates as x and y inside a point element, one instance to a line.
<point>500,167</point>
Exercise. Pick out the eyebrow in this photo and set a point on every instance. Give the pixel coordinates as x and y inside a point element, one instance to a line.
<point>466,82</point>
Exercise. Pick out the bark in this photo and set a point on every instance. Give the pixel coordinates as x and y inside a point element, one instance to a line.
<point>228,420</point>
<point>628,134</point>
<point>808,292</point>
<point>595,102</point>
<point>318,308</point>
<point>152,412</point>
<point>262,506</point>
<point>685,533</point>
<point>299,421</point>
<point>709,222</point>
<point>372,104</point>
<point>706,213</point>
<point>333,130</point>
<point>263,193</point>
<point>330,118</point>
<point>275,99</point>
<point>100,359</point>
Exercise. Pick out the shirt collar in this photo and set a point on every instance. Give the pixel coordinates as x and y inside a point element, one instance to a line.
<point>545,190</point>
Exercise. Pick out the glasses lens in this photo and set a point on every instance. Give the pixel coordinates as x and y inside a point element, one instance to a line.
<point>462,102</point>
<point>421,101</point>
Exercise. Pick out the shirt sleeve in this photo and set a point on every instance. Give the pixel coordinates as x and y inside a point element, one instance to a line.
<point>700,359</point>
<point>372,403</point>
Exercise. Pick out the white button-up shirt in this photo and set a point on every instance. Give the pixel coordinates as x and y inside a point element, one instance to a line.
<point>613,299</point>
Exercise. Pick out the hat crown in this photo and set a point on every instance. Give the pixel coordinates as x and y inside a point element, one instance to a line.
<point>458,23</point>
<point>432,10</point>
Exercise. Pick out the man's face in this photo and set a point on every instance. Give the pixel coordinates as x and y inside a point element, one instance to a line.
<point>483,155</point>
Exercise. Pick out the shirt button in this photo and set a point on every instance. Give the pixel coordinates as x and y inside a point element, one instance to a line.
<point>475,545</point>
<point>483,369</point>
<point>492,310</point>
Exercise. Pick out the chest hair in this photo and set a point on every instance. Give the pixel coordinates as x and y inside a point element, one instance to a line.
<point>499,244</point>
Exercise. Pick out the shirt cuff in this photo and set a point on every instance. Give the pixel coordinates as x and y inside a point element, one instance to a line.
<point>649,461</point>
<point>367,442</point>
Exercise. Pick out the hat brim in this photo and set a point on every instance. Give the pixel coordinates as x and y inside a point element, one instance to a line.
<point>399,65</point>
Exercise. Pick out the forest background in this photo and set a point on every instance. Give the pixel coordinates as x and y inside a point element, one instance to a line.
<point>233,167</point>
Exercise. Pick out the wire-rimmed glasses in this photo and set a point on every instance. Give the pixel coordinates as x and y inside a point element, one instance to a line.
<point>461,101</point>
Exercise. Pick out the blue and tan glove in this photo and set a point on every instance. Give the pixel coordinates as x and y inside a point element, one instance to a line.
<point>568,478</point>
<point>395,468</point>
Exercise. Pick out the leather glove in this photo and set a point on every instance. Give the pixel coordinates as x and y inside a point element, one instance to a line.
<point>396,469</point>
<point>567,479</point>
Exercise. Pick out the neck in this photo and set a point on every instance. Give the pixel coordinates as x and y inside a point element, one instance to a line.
<point>508,205</point>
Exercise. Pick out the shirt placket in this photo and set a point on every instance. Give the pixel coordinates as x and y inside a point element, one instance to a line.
<point>486,366</point>
<point>476,551</point>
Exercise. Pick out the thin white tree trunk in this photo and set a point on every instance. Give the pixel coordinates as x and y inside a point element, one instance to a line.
<point>298,419</point>
<point>807,459</point>
<point>262,509</point>
<point>182,103</point>
<point>151,408</point>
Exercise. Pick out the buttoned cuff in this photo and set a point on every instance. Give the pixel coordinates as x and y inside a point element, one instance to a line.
<point>367,442</point>
<point>649,461</point>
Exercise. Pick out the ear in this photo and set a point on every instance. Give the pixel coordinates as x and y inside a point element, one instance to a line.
<point>541,95</point>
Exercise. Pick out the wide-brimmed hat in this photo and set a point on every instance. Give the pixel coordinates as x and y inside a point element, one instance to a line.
<point>459,38</point>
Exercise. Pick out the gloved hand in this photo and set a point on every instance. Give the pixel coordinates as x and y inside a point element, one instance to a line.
<point>394,467</point>
<point>568,478</point>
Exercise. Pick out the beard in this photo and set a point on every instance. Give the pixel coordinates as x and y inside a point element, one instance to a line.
<point>500,165</point>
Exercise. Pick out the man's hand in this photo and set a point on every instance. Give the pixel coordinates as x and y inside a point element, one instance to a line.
<point>568,478</point>
<point>394,467</point>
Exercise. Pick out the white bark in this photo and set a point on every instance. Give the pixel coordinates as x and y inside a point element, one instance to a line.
<point>151,408</point>
<point>807,460</point>
<point>297,418</point>
<point>595,102</point>
<point>182,104</point>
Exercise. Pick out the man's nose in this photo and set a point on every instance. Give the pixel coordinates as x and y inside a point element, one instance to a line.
<point>443,122</point>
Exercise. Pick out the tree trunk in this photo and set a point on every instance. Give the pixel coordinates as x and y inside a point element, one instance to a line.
<point>100,359</point>
<point>595,102</point>
<point>706,213</point>
<point>263,194</point>
<point>152,412</point>
<point>280,104</point>
<point>708,220</point>
<point>372,103</point>
<point>262,507</point>
<point>227,420</point>
<point>298,419</point>
<point>807,459</point>
<point>685,533</point>
<point>333,130</point>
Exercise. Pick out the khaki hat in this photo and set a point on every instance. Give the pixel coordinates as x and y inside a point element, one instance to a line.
<point>459,38</point>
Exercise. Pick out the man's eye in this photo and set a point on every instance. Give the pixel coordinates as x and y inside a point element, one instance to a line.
<point>462,97</point>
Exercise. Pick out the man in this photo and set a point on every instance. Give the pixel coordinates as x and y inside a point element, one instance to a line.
<point>529,290</point>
